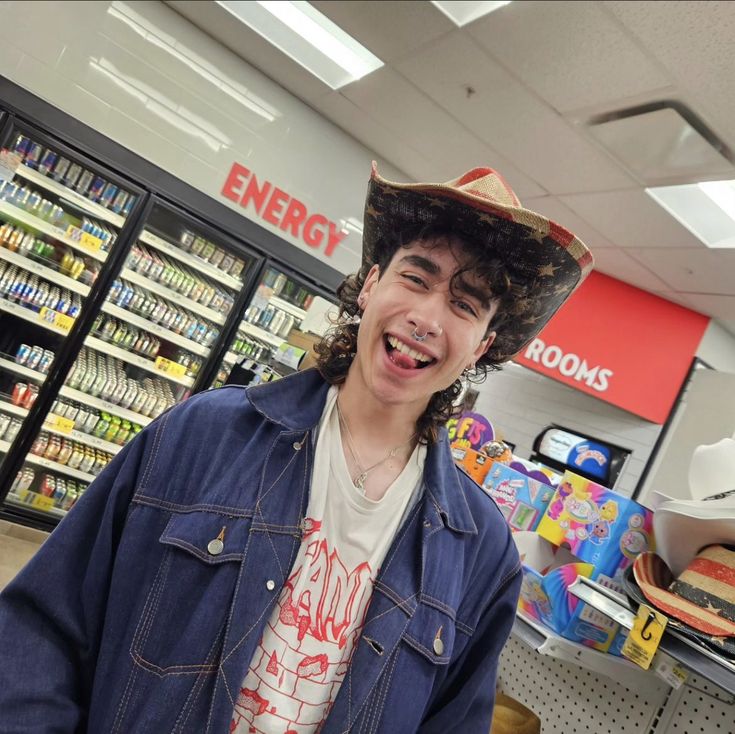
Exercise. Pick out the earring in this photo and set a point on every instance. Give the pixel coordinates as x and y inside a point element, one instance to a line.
<point>355,319</point>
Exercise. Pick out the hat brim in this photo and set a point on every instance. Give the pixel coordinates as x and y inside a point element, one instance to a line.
<point>537,253</point>
<point>654,577</point>
<point>683,527</point>
<point>724,646</point>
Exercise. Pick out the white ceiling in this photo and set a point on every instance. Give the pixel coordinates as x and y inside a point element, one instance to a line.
<point>537,72</point>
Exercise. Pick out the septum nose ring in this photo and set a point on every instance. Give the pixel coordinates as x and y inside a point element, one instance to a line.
<point>419,337</point>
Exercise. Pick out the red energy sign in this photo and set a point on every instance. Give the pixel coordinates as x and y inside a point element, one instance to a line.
<point>620,344</point>
<point>282,210</point>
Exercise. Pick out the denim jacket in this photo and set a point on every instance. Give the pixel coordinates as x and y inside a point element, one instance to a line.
<point>125,622</point>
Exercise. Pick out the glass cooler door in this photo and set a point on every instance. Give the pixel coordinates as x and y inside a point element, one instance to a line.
<point>157,326</point>
<point>269,342</point>
<point>60,217</point>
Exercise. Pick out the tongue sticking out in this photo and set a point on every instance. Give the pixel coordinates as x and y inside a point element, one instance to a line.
<point>403,360</point>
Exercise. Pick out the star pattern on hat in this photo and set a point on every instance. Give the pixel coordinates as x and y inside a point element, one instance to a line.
<point>537,235</point>
<point>713,609</point>
<point>386,191</point>
<point>560,289</point>
<point>371,211</point>
<point>433,201</point>
<point>487,218</point>
<point>547,270</point>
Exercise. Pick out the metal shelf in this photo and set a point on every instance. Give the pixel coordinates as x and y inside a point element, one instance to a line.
<point>697,659</point>
<point>86,439</point>
<point>93,209</point>
<point>547,642</point>
<point>173,296</point>
<point>49,274</point>
<point>82,397</point>
<point>289,308</point>
<point>192,261</point>
<point>61,468</point>
<point>262,334</point>
<point>19,215</point>
<point>14,500</point>
<point>13,409</point>
<point>22,370</point>
<point>28,315</point>
<point>157,329</point>
<point>126,356</point>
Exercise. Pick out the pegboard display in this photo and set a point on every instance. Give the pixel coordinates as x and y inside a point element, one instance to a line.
<point>699,707</point>
<point>569,699</point>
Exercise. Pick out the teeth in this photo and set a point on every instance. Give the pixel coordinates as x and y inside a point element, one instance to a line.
<point>405,349</point>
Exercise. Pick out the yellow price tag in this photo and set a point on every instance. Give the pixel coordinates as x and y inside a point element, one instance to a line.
<point>643,640</point>
<point>59,423</point>
<point>42,502</point>
<point>60,320</point>
<point>90,241</point>
<point>170,368</point>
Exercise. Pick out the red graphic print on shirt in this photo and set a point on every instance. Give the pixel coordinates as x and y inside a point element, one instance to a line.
<point>306,647</point>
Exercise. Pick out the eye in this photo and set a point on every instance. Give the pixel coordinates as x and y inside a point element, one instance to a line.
<point>464,306</point>
<point>414,279</point>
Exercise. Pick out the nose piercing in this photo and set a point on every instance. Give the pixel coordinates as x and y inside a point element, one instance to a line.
<point>419,337</point>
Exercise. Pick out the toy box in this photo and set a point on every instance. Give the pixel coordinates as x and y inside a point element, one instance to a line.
<point>598,525</point>
<point>547,574</point>
<point>521,499</point>
<point>475,463</point>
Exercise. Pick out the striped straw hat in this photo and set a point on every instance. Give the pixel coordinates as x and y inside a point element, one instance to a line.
<point>702,597</point>
<point>538,253</point>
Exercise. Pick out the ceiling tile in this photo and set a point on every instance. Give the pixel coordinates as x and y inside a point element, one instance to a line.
<point>410,116</point>
<point>619,264</point>
<point>719,307</point>
<point>509,117</point>
<point>554,209</point>
<point>565,49</point>
<point>631,219</point>
<point>703,271</point>
<point>694,41</point>
<point>394,30</point>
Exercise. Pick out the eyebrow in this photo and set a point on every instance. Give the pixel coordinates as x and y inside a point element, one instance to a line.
<point>430,267</point>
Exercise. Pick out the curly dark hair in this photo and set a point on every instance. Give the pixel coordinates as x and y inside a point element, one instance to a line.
<point>336,351</point>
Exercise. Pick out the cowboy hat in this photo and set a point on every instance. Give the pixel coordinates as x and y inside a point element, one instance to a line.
<point>683,527</point>
<point>512,717</point>
<point>702,596</point>
<point>538,253</point>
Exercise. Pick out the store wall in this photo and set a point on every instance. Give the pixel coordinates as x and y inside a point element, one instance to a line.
<point>147,78</point>
<point>520,403</point>
<point>717,348</point>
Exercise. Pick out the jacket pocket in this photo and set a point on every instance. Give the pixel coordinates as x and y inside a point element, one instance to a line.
<point>182,625</point>
<point>431,633</point>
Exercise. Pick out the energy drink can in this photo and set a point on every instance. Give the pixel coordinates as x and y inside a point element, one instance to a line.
<point>47,161</point>
<point>72,175</point>
<point>46,360</point>
<point>120,200</point>
<point>22,146</point>
<point>34,358</point>
<point>108,195</point>
<point>85,181</point>
<point>21,356</point>
<point>34,155</point>
<point>97,187</point>
<point>60,169</point>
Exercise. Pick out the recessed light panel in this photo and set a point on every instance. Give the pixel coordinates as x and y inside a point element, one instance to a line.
<point>308,37</point>
<point>463,12</point>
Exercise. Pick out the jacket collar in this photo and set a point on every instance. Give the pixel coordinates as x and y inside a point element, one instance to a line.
<point>296,402</point>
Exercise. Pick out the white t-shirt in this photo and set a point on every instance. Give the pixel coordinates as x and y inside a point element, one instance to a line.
<point>305,651</point>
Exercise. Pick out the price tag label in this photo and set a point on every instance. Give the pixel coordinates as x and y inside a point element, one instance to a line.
<point>671,672</point>
<point>42,502</point>
<point>60,320</point>
<point>9,163</point>
<point>289,355</point>
<point>174,369</point>
<point>643,640</point>
<point>59,423</point>
<point>85,239</point>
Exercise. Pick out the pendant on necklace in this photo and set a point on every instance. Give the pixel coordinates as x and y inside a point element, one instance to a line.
<point>360,481</point>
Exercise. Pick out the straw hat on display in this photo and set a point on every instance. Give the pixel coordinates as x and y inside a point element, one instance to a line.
<point>512,717</point>
<point>538,253</point>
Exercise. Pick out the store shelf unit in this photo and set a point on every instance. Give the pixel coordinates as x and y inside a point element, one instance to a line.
<point>27,314</point>
<point>59,468</point>
<point>693,657</point>
<point>85,438</point>
<point>19,369</point>
<point>6,407</point>
<point>261,334</point>
<point>43,271</point>
<point>82,397</point>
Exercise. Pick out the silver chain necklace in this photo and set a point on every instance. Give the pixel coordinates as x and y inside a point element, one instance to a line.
<point>359,480</point>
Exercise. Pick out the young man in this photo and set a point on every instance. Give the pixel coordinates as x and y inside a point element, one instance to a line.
<point>304,556</point>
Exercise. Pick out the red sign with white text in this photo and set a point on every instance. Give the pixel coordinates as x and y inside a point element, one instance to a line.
<point>620,344</point>
<point>279,208</point>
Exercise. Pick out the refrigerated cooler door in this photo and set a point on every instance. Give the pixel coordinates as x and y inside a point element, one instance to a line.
<point>60,218</point>
<point>269,343</point>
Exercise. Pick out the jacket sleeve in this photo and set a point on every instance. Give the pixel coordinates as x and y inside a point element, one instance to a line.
<point>466,699</point>
<point>51,614</point>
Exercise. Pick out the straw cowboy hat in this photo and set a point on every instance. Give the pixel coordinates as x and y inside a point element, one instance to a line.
<point>538,253</point>
<point>512,717</point>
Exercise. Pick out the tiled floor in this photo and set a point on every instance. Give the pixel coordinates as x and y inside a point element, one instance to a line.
<point>17,546</point>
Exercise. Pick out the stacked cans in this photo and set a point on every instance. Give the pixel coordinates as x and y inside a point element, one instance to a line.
<point>9,427</point>
<point>210,253</point>
<point>27,289</point>
<point>64,492</point>
<point>30,200</point>
<point>84,182</point>
<point>179,279</point>
<point>70,453</point>
<point>96,423</point>
<point>24,394</point>
<point>35,358</point>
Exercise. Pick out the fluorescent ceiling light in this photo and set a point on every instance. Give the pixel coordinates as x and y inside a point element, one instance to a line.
<point>307,37</point>
<point>706,209</point>
<point>462,12</point>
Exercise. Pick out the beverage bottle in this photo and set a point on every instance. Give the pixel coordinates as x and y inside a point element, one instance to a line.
<point>26,244</point>
<point>40,444</point>
<point>21,146</point>
<point>77,454</point>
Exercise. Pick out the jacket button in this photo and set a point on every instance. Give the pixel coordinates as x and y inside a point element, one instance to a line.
<point>438,646</point>
<point>297,446</point>
<point>215,547</point>
<point>270,584</point>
